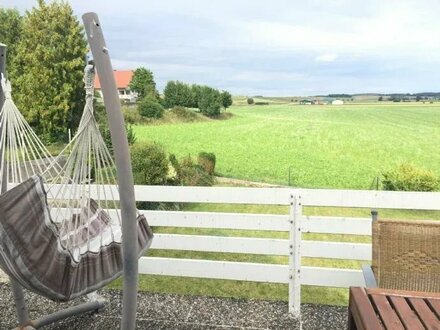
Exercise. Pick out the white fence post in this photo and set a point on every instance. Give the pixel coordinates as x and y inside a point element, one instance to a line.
<point>295,215</point>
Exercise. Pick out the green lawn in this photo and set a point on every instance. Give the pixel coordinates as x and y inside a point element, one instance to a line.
<point>252,290</point>
<point>326,146</point>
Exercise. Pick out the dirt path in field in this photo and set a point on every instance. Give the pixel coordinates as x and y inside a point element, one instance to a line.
<point>244,183</point>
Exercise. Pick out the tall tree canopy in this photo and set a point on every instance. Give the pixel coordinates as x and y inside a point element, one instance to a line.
<point>10,32</point>
<point>177,93</point>
<point>48,69</point>
<point>143,83</point>
<point>210,101</point>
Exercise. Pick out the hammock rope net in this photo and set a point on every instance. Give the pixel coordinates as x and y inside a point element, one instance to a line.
<point>60,224</point>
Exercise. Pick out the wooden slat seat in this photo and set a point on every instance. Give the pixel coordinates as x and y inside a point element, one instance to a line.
<point>371,309</point>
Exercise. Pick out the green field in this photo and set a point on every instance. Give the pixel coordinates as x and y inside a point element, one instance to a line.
<point>325,146</point>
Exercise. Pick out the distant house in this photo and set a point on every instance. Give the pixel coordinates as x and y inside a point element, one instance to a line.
<point>123,79</point>
<point>337,102</point>
<point>305,102</point>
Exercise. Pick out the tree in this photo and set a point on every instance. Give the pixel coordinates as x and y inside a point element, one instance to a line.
<point>10,32</point>
<point>48,70</point>
<point>177,93</point>
<point>380,98</point>
<point>250,100</point>
<point>196,93</point>
<point>226,99</point>
<point>143,83</point>
<point>210,101</point>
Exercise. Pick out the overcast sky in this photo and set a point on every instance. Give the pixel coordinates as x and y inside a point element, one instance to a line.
<point>275,47</point>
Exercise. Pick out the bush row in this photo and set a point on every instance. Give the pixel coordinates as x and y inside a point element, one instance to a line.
<point>152,166</point>
<point>207,99</point>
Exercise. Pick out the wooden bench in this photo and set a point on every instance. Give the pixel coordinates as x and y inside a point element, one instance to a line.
<point>374,308</point>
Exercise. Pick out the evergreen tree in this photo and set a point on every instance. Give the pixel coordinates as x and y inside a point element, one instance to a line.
<point>226,99</point>
<point>48,69</point>
<point>10,33</point>
<point>210,101</point>
<point>177,93</point>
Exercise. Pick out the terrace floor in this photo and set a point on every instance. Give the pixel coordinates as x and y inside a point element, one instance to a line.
<point>169,311</point>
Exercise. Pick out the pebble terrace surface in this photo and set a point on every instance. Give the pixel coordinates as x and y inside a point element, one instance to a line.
<point>169,311</point>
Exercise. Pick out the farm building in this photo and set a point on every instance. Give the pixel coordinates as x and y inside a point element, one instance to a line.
<point>123,79</point>
<point>305,102</point>
<point>337,102</point>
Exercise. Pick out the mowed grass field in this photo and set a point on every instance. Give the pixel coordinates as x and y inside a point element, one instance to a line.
<point>326,146</point>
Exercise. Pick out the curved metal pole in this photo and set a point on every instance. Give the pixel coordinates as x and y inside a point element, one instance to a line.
<point>68,312</point>
<point>123,167</point>
<point>17,290</point>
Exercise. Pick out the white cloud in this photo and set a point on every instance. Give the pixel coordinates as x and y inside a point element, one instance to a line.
<point>274,48</point>
<point>262,76</point>
<point>328,57</point>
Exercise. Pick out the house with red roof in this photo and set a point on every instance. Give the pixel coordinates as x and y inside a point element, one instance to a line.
<point>123,79</point>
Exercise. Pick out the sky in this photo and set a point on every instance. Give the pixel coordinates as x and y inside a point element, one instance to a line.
<point>275,47</point>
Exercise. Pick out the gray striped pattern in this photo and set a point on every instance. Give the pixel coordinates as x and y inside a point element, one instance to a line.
<point>32,252</point>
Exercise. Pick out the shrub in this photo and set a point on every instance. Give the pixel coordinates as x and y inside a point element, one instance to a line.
<point>131,136</point>
<point>261,103</point>
<point>150,163</point>
<point>207,161</point>
<point>191,174</point>
<point>184,113</point>
<point>131,115</point>
<point>250,100</point>
<point>101,118</point>
<point>150,108</point>
<point>407,177</point>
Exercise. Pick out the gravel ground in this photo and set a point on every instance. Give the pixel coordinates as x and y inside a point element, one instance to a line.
<point>169,311</point>
<point>3,277</point>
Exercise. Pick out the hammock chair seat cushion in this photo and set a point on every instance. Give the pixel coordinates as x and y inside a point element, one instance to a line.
<point>33,252</point>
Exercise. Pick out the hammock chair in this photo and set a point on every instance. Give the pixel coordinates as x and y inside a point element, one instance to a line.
<point>63,239</point>
<point>60,223</point>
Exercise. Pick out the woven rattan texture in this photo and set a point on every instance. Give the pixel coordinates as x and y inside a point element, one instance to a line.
<point>406,254</point>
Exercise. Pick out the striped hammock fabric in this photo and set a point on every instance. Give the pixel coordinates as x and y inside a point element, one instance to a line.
<point>60,266</point>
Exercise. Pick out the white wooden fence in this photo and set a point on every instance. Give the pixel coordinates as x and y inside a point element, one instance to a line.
<point>294,222</point>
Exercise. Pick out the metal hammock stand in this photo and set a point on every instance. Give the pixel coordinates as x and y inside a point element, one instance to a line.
<point>127,205</point>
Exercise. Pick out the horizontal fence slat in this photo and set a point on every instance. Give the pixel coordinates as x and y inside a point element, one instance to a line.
<point>246,221</point>
<point>336,250</point>
<point>331,277</point>
<point>371,199</point>
<point>241,271</point>
<point>279,196</point>
<point>263,246</point>
<point>98,192</point>
<point>239,221</point>
<point>226,270</point>
<point>227,195</point>
<point>336,225</point>
<point>247,245</point>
